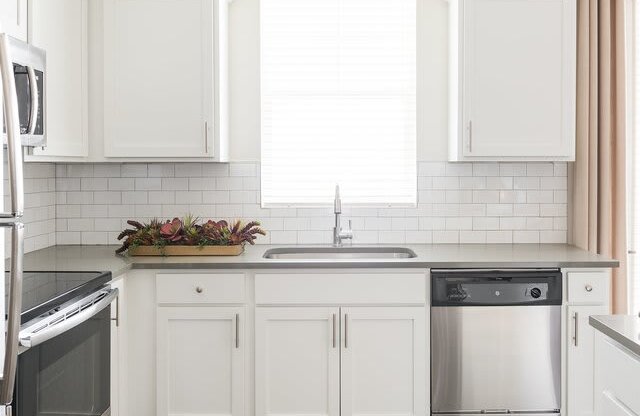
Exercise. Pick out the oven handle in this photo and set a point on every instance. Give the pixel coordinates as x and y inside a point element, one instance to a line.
<point>32,339</point>
<point>35,102</point>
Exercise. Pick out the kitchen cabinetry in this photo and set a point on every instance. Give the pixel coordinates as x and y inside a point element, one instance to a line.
<point>165,88</point>
<point>118,351</point>
<point>60,28</point>
<point>200,360</point>
<point>200,344</point>
<point>512,79</point>
<point>341,342</point>
<point>14,18</point>
<point>616,379</point>
<point>383,361</point>
<point>587,294</point>
<point>297,361</point>
<point>346,361</point>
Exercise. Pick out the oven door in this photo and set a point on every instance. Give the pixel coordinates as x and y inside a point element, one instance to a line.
<point>68,374</point>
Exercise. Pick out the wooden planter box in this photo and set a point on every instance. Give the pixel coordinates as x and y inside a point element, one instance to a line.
<point>187,251</point>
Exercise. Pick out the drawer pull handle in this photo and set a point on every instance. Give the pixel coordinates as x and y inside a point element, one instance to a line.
<point>199,289</point>
<point>588,288</point>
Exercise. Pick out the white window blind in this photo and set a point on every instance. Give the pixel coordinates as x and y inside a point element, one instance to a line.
<point>338,80</point>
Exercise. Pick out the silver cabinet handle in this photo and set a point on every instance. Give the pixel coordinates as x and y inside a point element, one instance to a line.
<point>470,135</point>
<point>199,289</point>
<point>333,330</point>
<point>15,307</point>
<point>237,330</point>
<point>346,331</point>
<point>588,287</point>
<point>575,329</point>
<point>206,137</point>
<point>12,123</point>
<point>35,104</point>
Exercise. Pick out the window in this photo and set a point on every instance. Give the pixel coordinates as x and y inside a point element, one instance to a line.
<point>338,80</point>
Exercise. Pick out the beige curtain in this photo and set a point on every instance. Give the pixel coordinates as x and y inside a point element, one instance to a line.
<point>598,200</point>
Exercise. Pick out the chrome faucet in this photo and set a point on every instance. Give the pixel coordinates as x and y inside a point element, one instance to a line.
<point>338,233</point>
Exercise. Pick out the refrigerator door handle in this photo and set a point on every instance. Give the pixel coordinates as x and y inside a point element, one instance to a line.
<point>14,310</point>
<point>14,141</point>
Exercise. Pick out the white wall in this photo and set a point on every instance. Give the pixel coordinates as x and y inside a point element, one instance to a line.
<point>244,48</point>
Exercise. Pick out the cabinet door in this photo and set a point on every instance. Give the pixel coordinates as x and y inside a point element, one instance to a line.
<point>60,28</point>
<point>580,359</point>
<point>13,14</point>
<point>518,66</point>
<point>297,361</point>
<point>383,361</point>
<point>158,69</point>
<point>200,361</point>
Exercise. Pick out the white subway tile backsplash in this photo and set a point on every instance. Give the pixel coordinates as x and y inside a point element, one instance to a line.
<point>134,170</point>
<point>457,203</point>
<point>540,169</point>
<point>513,169</point>
<point>526,182</point>
<point>486,169</point>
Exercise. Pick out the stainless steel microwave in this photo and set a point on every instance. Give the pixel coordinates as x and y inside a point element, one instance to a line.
<point>29,71</point>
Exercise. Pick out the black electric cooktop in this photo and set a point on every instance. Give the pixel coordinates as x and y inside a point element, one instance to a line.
<point>43,291</point>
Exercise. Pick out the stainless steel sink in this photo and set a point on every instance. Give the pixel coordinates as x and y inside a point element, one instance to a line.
<point>329,253</point>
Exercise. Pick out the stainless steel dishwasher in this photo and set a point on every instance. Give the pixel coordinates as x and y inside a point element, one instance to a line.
<point>495,341</point>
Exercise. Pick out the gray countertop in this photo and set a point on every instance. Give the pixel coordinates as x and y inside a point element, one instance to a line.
<point>102,258</point>
<point>624,329</point>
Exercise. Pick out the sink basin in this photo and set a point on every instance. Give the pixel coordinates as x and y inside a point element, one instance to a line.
<point>329,253</point>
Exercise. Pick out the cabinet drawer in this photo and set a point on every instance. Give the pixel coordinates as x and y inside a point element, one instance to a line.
<point>616,374</point>
<point>588,287</point>
<point>200,288</point>
<point>341,288</point>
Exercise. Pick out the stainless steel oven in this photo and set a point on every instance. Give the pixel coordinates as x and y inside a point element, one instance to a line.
<point>29,70</point>
<point>65,339</point>
<point>495,342</point>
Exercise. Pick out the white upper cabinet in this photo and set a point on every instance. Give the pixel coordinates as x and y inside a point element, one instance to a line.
<point>13,16</point>
<point>60,28</point>
<point>512,79</point>
<point>165,93</point>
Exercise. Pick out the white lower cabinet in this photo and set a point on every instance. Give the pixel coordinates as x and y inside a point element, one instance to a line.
<point>340,361</point>
<point>587,294</point>
<point>580,358</point>
<point>118,353</point>
<point>200,360</point>
<point>383,361</point>
<point>297,361</point>
<point>617,372</point>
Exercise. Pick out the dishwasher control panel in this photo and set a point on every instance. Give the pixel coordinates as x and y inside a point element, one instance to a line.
<point>496,287</point>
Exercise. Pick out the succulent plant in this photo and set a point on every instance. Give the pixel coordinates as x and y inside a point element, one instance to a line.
<point>188,231</point>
